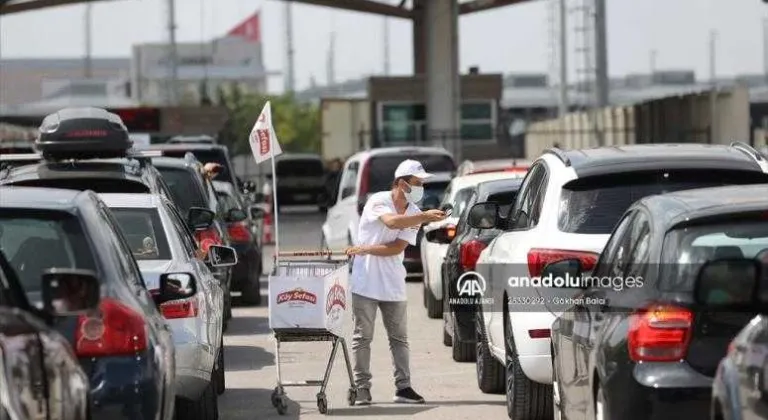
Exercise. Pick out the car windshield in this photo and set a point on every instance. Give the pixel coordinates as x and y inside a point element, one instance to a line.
<point>686,249</point>
<point>186,190</point>
<point>143,230</point>
<point>300,167</point>
<point>214,155</point>
<point>37,240</point>
<point>593,205</point>
<point>382,168</point>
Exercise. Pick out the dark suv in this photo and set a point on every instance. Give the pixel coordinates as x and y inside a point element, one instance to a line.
<point>650,350</point>
<point>205,153</point>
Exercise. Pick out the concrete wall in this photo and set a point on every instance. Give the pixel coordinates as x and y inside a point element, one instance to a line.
<point>344,123</point>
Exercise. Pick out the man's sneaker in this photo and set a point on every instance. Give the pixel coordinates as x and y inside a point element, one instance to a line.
<point>363,397</point>
<point>408,396</point>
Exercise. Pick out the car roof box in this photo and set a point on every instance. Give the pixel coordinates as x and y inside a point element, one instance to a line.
<point>83,133</point>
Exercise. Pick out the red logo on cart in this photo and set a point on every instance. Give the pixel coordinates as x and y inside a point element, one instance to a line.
<point>336,297</point>
<point>296,295</point>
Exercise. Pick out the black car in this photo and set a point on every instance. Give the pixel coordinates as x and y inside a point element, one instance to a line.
<point>465,247</point>
<point>125,347</point>
<point>639,346</point>
<point>189,189</point>
<point>247,273</point>
<point>37,363</point>
<point>205,153</point>
<point>300,180</point>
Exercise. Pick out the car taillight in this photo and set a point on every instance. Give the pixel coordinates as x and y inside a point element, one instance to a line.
<point>539,258</point>
<point>117,330</point>
<point>206,238</point>
<point>182,308</point>
<point>469,253</point>
<point>364,187</point>
<point>239,232</point>
<point>540,333</point>
<point>659,333</point>
<point>450,231</point>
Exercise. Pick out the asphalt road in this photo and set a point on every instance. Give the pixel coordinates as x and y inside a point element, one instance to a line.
<point>449,387</point>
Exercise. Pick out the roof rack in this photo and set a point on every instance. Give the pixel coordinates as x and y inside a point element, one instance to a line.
<point>83,133</point>
<point>560,153</point>
<point>752,153</point>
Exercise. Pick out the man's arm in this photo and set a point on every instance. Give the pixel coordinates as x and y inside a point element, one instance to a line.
<point>386,250</point>
<point>401,221</point>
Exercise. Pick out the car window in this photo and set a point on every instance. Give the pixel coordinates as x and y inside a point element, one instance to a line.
<point>686,249</point>
<point>300,167</point>
<point>382,168</point>
<point>186,190</point>
<point>348,185</point>
<point>527,198</point>
<point>434,192</point>
<point>612,256</point>
<point>593,205</point>
<point>37,240</point>
<point>462,225</point>
<point>461,199</point>
<point>143,230</point>
<point>126,263</point>
<point>213,155</point>
<point>185,235</point>
<point>637,261</point>
<point>505,200</point>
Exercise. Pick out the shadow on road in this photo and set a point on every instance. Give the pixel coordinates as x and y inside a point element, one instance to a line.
<point>242,358</point>
<point>377,410</point>
<point>249,404</point>
<point>247,325</point>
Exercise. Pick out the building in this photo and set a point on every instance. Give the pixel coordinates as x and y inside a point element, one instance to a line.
<point>234,59</point>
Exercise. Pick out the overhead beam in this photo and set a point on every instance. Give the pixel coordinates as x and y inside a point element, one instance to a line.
<point>481,5</point>
<point>364,6</point>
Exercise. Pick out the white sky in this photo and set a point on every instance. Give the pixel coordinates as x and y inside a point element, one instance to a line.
<point>511,39</point>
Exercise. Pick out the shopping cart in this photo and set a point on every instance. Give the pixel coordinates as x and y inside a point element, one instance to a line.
<point>300,277</point>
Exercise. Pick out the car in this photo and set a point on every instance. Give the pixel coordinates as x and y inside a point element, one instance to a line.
<point>646,344</point>
<point>567,206</point>
<point>201,139</point>
<point>464,246</point>
<point>480,166</point>
<point>125,347</point>
<point>39,372</point>
<point>300,179</point>
<point>166,256</point>
<point>205,153</point>
<point>368,172</point>
<point>247,273</point>
<point>190,188</point>
<point>85,148</point>
<point>456,197</point>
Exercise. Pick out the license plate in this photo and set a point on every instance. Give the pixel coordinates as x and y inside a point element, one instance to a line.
<point>301,197</point>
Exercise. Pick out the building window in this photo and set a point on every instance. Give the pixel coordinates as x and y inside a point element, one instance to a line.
<point>403,123</point>
<point>478,121</point>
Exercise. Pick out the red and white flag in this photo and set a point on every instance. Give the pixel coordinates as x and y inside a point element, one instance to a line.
<point>263,139</point>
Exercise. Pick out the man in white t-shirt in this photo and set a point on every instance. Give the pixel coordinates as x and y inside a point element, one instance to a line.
<point>389,223</point>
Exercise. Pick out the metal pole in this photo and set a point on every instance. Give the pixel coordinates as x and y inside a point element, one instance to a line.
<point>765,48</point>
<point>601,55</point>
<point>88,68</point>
<point>563,103</point>
<point>386,46</point>
<point>289,74</point>
<point>713,126</point>
<point>173,59</point>
<point>457,95</point>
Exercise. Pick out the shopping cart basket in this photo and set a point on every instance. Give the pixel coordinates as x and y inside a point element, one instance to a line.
<point>308,295</point>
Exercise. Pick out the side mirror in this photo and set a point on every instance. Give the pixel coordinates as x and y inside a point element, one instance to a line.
<point>68,291</point>
<point>483,216</point>
<point>175,286</point>
<point>199,218</point>
<point>564,269</point>
<point>441,235</point>
<point>257,212</point>
<point>236,215</point>
<point>222,256</point>
<point>717,286</point>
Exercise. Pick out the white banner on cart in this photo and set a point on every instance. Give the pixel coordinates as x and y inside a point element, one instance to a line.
<point>309,300</point>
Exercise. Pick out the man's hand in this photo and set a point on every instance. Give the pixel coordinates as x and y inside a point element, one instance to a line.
<point>433,215</point>
<point>355,250</point>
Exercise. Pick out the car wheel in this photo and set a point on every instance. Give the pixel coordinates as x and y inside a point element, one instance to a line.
<point>490,373</point>
<point>219,371</point>
<point>556,391</point>
<point>251,289</point>
<point>526,399</point>
<point>204,408</point>
<point>461,350</point>
<point>434,306</point>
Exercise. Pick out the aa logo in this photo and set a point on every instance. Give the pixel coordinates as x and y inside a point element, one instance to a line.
<point>471,284</point>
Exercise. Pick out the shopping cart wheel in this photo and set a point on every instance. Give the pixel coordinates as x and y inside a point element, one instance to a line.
<point>322,403</point>
<point>352,396</point>
<point>278,401</point>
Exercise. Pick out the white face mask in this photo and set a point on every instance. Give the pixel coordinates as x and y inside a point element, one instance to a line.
<point>416,194</point>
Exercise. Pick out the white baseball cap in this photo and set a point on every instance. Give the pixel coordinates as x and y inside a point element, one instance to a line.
<point>410,167</point>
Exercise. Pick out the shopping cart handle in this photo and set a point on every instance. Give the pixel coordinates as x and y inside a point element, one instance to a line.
<point>312,254</point>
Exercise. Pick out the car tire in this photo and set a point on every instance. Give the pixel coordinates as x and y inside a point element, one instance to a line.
<point>490,373</point>
<point>526,399</point>
<point>461,351</point>
<point>219,372</point>
<point>204,408</point>
<point>556,391</point>
<point>250,292</point>
<point>424,292</point>
<point>434,306</point>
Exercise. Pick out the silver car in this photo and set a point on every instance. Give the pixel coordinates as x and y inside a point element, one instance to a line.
<point>165,250</point>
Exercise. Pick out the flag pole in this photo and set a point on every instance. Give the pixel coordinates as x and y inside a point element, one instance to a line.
<point>274,195</point>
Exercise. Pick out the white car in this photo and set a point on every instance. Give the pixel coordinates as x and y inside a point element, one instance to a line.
<point>457,195</point>
<point>567,207</point>
<point>369,172</point>
<point>165,251</point>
